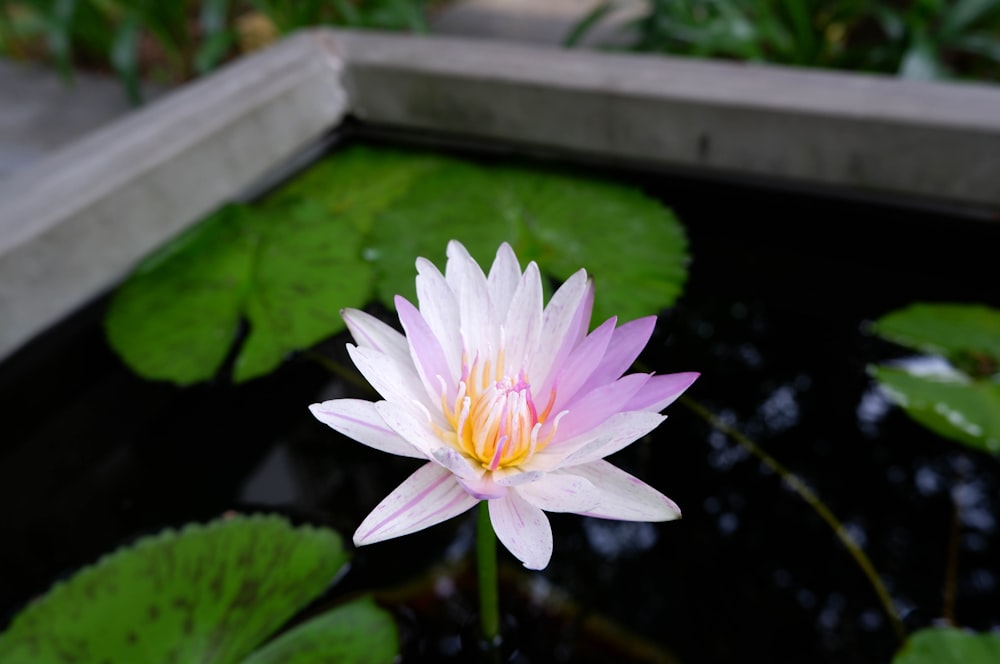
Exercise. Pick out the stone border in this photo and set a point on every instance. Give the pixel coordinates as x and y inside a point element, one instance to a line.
<point>875,134</point>
<point>73,224</point>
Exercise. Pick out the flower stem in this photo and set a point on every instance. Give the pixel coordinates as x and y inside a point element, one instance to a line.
<point>486,564</point>
<point>808,495</point>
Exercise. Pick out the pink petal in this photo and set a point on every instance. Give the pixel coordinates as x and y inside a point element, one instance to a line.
<point>561,322</point>
<point>661,391</point>
<point>425,351</point>
<point>427,497</point>
<point>560,493</point>
<point>615,433</point>
<point>523,529</point>
<point>623,497</point>
<point>626,343</point>
<point>440,309</point>
<point>581,363</point>
<point>503,279</point>
<point>599,404</point>
<point>370,332</point>
<point>523,323</point>
<point>359,420</point>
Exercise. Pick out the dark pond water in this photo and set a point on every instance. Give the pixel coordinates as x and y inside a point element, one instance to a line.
<point>780,287</point>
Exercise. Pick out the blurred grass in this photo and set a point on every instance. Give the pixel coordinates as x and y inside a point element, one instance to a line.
<point>929,39</point>
<point>173,41</point>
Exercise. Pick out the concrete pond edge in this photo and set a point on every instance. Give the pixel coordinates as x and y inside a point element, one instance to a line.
<point>74,223</point>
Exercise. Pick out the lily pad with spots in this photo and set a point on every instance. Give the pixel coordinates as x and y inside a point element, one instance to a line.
<point>206,593</point>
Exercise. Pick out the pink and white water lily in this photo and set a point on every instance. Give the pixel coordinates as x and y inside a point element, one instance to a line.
<point>506,400</point>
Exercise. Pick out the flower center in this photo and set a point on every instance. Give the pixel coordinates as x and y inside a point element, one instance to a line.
<point>493,417</point>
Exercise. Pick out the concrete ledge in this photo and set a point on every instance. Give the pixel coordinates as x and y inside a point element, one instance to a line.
<point>74,223</point>
<point>934,141</point>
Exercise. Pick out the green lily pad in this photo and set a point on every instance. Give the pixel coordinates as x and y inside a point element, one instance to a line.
<point>357,183</point>
<point>963,410</point>
<point>207,593</point>
<point>945,645</point>
<point>304,272</point>
<point>968,335</point>
<point>355,633</point>
<point>287,265</point>
<point>633,246</point>
<point>458,201</point>
<point>353,225</point>
<point>178,314</point>
<point>963,405</point>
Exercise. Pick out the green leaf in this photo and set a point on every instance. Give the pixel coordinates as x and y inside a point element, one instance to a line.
<point>588,22</point>
<point>207,593</point>
<point>176,317</point>
<point>288,265</point>
<point>358,183</point>
<point>124,56</point>
<point>457,201</point>
<point>967,334</point>
<point>631,245</point>
<point>922,60</point>
<point>308,268</point>
<point>946,645</point>
<point>355,633</point>
<point>961,409</point>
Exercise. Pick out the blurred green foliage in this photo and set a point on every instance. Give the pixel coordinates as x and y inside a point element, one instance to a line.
<point>174,41</point>
<point>912,38</point>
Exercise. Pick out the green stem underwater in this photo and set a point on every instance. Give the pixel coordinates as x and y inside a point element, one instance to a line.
<point>486,567</point>
<point>807,494</point>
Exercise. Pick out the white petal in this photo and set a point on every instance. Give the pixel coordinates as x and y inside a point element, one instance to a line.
<point>359,420</point>
<point>561,493</point>
<point>503,279</point>
<point>523,322</point>
<point>515,476</point>
<point>483,489</point>
<point>459,464</point>
<point>427,497</point>
<point>412,426</point>
<point>479,329</point>
<point>523,529</point>
<point>560,327</point>
<point>439,308</point>
<point>623,497</point>
<point>615,433</point>
<point>370,332</point>
<point>396,381</point>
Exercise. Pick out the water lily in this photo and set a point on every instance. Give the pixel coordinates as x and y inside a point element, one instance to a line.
<point>507,401</point>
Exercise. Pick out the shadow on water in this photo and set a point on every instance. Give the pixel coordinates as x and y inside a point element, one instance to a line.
<point>773,316</point>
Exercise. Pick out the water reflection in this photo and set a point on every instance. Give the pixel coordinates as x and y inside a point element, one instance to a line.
<point>614,539</point>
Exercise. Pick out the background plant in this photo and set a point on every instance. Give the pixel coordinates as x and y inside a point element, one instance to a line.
<point>911,38</point>
<point>175,41</point>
